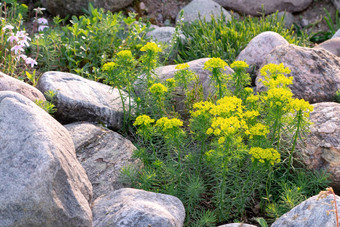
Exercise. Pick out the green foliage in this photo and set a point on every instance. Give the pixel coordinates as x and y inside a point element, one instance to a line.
<point>226,40</point>
<point>47,105</point>
<point>333,26</point>
<point>337,96</point>
<point>83,46</point>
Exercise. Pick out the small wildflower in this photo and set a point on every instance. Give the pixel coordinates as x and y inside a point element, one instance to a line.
<point>265,155</point>
<point>166,123</point>
<point>31,61</point>
<point>158,88</point>
<point>143,120</point>
<point>215,63</point>
<point>239,65</point>
<point>42,20</point>
<point>108,66</point>
<point>13,38</point>
<point>17,49</point>
<point>274,69</point>
<point>182,66</point>
<point>124,54</point>
<point>42,28</point>
<point>150,46</point>
<point>9,27</point>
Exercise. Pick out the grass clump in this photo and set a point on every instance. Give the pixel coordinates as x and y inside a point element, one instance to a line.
<point>225,40</point>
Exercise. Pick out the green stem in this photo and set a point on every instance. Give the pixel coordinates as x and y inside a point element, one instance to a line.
<point>299,121</point>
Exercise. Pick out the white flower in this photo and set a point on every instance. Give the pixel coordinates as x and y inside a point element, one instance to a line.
<point>10,27</point>
<point>42,21</point>
<point>17,49</point>
<point>42,27</point>
<point>31,61</point>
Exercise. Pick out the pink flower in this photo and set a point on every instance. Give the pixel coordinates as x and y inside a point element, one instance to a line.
<point>13,38</point>
<point>22,56</point>
<point>23,43</point>
<point>42,27</point>
<point>17,49</point>
<point>10,27</point>
<point>31,61</point>
<point>42,21</point>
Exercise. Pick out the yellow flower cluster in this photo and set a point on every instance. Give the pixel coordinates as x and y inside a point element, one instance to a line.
<point>251,114</point>
<point>143,120</point>
<point>171,82</point>
<point>301,105</point>
<point>150,46</point>
<point>258,130</point>
<point>252,98</point>
<point>265,155</point>
<point>158,89</point>
<point>279,96</point>
<point>274,69</point>
<point>124,54</point>
<point>279,81</point>
<point>165,123</point>
<point>108,66</point>
<point>239,65</point>
<point>227,106</point>
<point>182,66</point>
<point>228,126</point>
<point>201,108</point>
<point>215,63</point>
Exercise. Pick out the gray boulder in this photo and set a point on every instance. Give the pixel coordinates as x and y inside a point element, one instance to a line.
<point>162,34</point>
<point>336,35</point>
<point>255,7</point>
<point>287,17</point>
<point>331,45</point>
<point>316,72</point>
<point>321,148</point>
<point>259,47</point>
<point>79,99</point>
<point>103,153</point>
<point>8,83</point>
<point>41,180</point>
<point>314,212</point>
<point>204,8</point>
<point>129,207</point>
<point>75,7</point>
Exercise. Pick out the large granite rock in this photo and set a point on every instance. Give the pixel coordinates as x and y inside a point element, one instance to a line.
<point>129,207</point>
<point>269,6</point>
<point>75,7</point>
<point>316,72</point>
<point>321,148</point>
<point>331,45</point>
<point>314,212</point>
<point>41,180</point>
<point>202,9</point>
<point>103,153</point>
<point>79,99</point>
<point>259,47</point>
<point>8,83</point>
